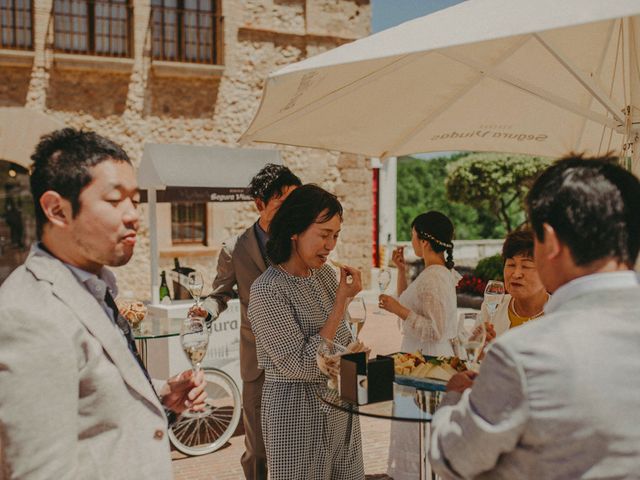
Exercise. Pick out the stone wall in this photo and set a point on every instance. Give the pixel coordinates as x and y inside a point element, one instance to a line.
<point>134,103</point>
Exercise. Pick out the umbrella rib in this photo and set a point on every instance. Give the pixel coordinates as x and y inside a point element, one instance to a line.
<point>584,80</point>
<point>490,71</point>
<point>340,91</point>
<point>454,98</point>
<point>540,93</point>
<point>598,72</point>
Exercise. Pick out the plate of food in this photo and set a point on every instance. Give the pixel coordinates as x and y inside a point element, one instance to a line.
<point>425,372</point>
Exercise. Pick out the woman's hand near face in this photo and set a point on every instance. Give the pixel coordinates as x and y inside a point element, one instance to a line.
<point>397,257</point>
<point>349,288</point>
<point>346,291</point>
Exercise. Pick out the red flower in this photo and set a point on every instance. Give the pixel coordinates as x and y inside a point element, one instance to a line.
<point>471,284</point>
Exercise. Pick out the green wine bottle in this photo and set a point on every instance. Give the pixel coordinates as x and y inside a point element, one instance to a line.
<point>164,288</point>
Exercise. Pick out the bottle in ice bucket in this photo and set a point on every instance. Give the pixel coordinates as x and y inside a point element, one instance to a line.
<point>164,288</point>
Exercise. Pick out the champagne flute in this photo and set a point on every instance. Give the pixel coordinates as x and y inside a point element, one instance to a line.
<point>472,334</point>
<point>493,295</point>
<point>195,284</point>
<point>357,311</point>
<point>384,279</point>
<point>194,337</point>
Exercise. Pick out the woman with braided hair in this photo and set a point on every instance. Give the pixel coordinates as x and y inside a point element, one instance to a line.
<point>427,310</point>
<point>427,307</point>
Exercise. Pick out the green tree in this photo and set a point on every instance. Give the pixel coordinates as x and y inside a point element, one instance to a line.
<point>421,187</point>
<point>498,182</point>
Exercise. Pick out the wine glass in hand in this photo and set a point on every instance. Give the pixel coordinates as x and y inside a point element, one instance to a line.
<point>384,279</point>
<point>194,337</point>
<point>472,334</point>
<point>195,285</point>
<point>357,311</point>
<point>493,295</point>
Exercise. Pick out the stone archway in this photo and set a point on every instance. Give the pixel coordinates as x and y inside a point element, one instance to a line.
<point>17,220</point>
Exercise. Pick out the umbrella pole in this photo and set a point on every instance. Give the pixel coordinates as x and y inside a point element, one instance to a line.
<point>153,238</point>
<point>635,155</point>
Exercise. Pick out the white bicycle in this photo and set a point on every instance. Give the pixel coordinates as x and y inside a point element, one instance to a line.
<point>205,432</point>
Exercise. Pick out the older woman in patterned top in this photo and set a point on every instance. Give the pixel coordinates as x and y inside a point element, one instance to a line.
<point>295,304</point>
<point>526,295</point>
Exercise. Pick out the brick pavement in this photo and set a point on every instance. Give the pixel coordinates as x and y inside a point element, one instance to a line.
<point>225,463</point>
<point>380,332</point>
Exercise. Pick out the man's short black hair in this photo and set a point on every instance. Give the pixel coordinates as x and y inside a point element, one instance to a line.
<point>270,182</point>
<point>518,242</point>
<point>592,204</point>
<point>62,162</point>
<point>298,212</point>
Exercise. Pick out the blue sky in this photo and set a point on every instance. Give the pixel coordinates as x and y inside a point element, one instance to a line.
<point>388,13</point>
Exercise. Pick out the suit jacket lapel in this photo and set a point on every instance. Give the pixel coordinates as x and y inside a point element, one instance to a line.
<point>89,312</point>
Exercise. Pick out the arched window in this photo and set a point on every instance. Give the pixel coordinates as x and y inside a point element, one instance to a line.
<point>16,24</point>
<point>187,30</point>
<point>17,219</point>
<point>100,27</point>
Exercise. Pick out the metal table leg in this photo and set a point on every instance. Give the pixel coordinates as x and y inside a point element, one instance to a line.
<point>142,346</point>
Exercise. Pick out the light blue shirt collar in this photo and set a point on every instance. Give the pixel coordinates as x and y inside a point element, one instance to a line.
<point>589,283</point>
<point>97,285</point>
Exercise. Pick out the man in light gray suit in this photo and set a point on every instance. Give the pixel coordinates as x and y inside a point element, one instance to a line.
<point>241,261</point>
<point>559,398</point>
<point>75,401</point>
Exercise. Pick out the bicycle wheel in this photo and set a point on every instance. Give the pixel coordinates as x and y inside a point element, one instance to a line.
<point>205,432</point>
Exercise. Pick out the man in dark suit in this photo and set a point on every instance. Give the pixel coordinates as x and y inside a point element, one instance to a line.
<point>241,261</point>
<point>75,400</point>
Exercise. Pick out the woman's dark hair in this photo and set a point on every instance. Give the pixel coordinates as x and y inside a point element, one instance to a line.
<point>592,205</point>
<point>518,242</point>
<point>437,229</point>
<point>62,162</point>
<point>305,206</point>
<point>270,181</point>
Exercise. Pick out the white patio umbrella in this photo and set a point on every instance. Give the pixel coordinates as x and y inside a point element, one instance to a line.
<point>20,131</point>
<point>526,76</point>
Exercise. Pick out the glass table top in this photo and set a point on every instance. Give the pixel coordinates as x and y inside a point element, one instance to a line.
<point>409,404</point>
<point>154,326</point>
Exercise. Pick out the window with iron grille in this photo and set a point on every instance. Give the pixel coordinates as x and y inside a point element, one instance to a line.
<point>187,30</point>
<point>16,24</point>
<point>189,223</point>
<point>100,27</point>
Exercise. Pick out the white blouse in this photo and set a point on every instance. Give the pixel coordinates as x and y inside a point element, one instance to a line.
<point>432,322</point>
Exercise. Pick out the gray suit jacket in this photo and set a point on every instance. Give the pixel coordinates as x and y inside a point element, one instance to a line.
<point>558,398</point>
<point>73,401</point>
<point>240,263</point>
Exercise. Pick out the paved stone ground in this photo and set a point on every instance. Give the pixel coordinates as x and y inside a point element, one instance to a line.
<point>381,333</point>
<point>225,463</point>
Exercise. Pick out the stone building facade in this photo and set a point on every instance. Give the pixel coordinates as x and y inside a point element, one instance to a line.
<point>139,98</point>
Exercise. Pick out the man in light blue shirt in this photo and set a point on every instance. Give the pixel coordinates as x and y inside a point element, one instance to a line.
<point>559,398</point>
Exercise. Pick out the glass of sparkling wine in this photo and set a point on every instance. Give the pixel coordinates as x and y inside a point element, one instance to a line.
<point>194,337</point>
<point>357,311</point>
<point>195,285</point>
<point>384,279</point>
<point>472,334</point>
<point>493,295</point>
